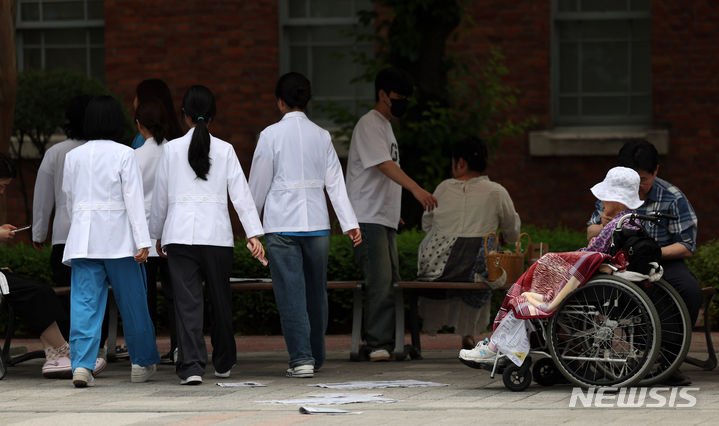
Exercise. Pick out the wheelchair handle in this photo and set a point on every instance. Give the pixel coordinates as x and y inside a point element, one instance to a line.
<point>651,217</point>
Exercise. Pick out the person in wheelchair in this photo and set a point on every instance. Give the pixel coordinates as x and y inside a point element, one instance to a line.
<point>541,289</point>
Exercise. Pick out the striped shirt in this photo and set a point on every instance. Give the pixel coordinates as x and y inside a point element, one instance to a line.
<point>665,198</point>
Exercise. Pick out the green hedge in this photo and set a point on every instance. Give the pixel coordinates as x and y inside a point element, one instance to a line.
<point>255,312</point>
<point>705,265</point>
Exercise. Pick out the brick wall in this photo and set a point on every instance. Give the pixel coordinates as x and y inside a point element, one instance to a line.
<point>232,47</point>
<point>229,46</point>
<point>685,81</point>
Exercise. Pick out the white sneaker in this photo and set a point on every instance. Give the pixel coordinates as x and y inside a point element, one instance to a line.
<point>224,375</point>
<point>140,374</point>
<point>481,353</point>
<point>82,378</point>
<point>192,380</point>
<point>100,364</point>
<point>301,371</point>
<point>379,355</point>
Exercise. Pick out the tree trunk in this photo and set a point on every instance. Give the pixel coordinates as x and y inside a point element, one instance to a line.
<point>8,71</point>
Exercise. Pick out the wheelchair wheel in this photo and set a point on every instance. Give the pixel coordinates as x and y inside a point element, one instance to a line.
<point>605,334</point>
<point>516,378</point>
<point>676,330</point>
<point>545,372</point>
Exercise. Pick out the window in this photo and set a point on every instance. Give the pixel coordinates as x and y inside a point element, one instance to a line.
<point>54,34</point>
<point>315,38</point>
<point>601,62</point>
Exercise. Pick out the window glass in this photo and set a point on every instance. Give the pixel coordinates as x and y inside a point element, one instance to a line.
<point>30,11</point>
<point>601,62</point>
<point>318,37</point>
<point>66,10</point>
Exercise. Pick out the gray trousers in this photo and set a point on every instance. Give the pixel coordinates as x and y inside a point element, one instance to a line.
<point>189,266</point>
<point>379,263</point>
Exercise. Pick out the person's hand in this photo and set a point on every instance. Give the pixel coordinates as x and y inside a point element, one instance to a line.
<point>425,198</point>
<point>356,236</point>
<point>160,250</point>
<point>38,246</point>
<point>141,255</point>
<point>7,232</point>
<point>258,252</point>
<point>606,217</point>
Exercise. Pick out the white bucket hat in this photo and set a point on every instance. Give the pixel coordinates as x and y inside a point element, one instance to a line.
<point>620,185</point>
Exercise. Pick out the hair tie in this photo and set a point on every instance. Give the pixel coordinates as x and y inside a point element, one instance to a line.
<point>199,117</point>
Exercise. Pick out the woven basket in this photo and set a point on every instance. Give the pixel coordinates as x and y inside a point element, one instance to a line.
<point>511,263</point>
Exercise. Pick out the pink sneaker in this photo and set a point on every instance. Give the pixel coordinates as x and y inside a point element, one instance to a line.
<point>57,368</point>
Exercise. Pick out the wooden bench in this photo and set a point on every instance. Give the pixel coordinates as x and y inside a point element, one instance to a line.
<point>711,362</point>
<point>412,288</point>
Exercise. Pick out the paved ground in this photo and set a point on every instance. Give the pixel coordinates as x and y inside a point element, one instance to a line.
<point>471,397</point>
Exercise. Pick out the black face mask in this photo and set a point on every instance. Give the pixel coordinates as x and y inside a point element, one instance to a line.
<point>399,107</point>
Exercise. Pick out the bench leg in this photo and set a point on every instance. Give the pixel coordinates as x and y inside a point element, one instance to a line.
<point>112,328</point>
<point>711,362</point>
<point>356,323</point>
<point>414,324</point>
<point>399,354</point>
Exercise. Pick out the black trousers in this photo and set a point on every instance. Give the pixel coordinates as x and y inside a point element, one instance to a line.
<point>61,273</point>
<point>36,304</point>
<point>189,266</point>
<point>677,273</point>
<point>156,267</point>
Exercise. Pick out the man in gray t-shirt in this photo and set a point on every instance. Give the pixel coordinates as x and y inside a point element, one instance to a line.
<point>374,185</point>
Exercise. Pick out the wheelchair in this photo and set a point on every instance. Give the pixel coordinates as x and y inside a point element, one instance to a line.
<point>610,332</point>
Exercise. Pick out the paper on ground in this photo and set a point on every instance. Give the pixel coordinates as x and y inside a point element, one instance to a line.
<point>323,410</point>
<point>378,384</point>
<point>333,399</point>
<point>240,385</point>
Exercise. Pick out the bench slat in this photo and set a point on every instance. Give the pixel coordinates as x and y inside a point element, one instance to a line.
<point>447,285</point>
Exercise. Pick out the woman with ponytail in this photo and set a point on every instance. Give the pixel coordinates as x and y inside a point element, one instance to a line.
<point>192,226</point>
<point>153,123</point>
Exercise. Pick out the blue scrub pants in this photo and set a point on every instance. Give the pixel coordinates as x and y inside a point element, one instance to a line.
<point>88,298</point>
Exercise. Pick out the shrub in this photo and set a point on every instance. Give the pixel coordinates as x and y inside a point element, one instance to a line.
<point>705,265</point>
<point>255,312</point>
<point>23,259</point>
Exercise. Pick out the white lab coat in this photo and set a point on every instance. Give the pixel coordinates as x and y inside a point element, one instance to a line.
<point>189,210</point>
<point>48,194</point>
<point>148,156</point>
<point>103,186</point>
<point>293,163</point>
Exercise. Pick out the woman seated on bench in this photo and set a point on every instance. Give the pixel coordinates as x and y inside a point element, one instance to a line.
<point>470,206</point>
<point>540,290</point>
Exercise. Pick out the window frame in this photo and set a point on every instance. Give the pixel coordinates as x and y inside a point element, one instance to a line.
<point>285,21</point>
<point>582,120</point>
<point>84,24</point>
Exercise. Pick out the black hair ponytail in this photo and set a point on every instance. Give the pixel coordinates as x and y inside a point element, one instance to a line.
<point>199,105</point>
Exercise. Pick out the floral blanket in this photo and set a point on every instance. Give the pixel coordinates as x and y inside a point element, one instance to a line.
<point>540,290</point>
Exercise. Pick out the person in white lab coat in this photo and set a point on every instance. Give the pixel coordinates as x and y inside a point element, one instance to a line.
<point>191,223</point>
<point>107,243</point>
<point>152,122</point>
<point>293,164</point>
<point>48,191</point>
<point>48,195</point>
